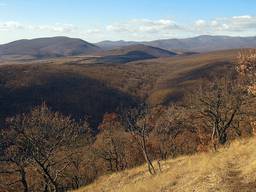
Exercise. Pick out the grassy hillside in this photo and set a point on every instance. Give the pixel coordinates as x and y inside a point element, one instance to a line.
<point>230,169</point>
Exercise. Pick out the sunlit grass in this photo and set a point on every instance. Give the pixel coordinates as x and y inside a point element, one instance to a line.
<point>229,169</point>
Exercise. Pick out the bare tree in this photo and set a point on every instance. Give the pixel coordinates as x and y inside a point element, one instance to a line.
<point>47,136</point>
<point>138,123</point>
<point>111,143</point>
<point>218,104</point>
<point>82,169</point>
<point>171,122</point>
<point>14,160</point>
<point>246,68</point>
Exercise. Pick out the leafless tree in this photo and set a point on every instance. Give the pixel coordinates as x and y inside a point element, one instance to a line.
<point>111,143</point>
<point>139,125</point>
<point>246,68</point>
<point>219,104</point>
<point>14,160</point>
<point>47,136</point>
<point>169,124</point>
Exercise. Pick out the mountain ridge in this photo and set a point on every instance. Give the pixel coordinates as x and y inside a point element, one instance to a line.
<point>48,47</point>
<point>203,43</point>
<point>131,53</point>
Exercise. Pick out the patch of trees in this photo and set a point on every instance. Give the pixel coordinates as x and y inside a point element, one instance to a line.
<point>43,150</point>
<point>39,143</point>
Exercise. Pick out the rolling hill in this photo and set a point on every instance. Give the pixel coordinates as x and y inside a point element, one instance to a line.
<point>206,43</point>
<point>120,51</point>
<point>105,81</point>
<point>153,51</point>
<point>48,47</point>
<point>78,86</point>
<point>108,45</point>
<point>228,170</point>
<point>132,53</point>
<point>203,43</point>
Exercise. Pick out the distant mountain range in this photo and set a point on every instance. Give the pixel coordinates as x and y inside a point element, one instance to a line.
<point>203,43</point>
<point>64,46</point>
<point>48,47</point>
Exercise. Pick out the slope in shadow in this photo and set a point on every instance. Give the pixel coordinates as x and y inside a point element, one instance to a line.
<point>69,93</point>
<point>129,57</point>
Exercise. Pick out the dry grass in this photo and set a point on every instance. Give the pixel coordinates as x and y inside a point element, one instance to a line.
<point>232,169</point>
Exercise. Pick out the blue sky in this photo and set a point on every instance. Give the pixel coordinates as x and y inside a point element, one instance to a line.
<point>96,20</point>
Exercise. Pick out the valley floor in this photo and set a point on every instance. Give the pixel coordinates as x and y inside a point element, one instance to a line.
<point>231,169</point>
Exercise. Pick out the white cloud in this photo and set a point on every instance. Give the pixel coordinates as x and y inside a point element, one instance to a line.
<point>146,29</point>
<point>242,17</point>
<point>13,30</point>
<point>200,23</point>
<point>244,25</point>
<point>62,28</point>
<point>241,23</point>
<point>135,29</point>
<point>143,25</point>
<point>14,25</point>
<point>10,25</point>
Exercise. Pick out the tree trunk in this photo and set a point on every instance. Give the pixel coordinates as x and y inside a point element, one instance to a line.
<point>48,178</point>
<point>151,168</point>
<point>159,165</point>
<point>223,138</point>
<point>23,179</point>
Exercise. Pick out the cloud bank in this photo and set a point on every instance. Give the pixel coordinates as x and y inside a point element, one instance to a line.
<point>135,29</point>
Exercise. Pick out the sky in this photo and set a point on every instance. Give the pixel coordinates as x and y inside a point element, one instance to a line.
<point>130,20</point>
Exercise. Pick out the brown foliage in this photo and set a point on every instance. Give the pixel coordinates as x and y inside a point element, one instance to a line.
<point>47,151</point>
<point>217,107</point>
<point>44,138</point>
<point>246,67</point>
<point>111,143</point>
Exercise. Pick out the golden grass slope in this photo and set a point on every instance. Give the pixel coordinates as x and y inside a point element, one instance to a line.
<point>231,169</point>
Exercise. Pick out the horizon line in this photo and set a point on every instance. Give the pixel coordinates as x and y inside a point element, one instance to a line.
<point>122,40</point>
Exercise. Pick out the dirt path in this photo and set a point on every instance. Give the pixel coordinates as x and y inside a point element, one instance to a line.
<point>235,181</point>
